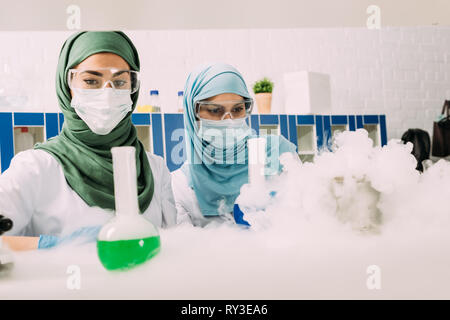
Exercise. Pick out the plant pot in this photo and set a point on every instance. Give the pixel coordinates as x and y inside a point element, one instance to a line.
<point>264,102</point>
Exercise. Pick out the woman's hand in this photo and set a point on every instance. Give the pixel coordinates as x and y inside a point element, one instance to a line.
<point>16,243</point>
<point>21,243</point>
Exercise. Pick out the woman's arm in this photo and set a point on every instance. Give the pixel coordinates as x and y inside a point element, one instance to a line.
<point>182,193</point>
<point>19,189</point>
<point>21,243</point>
<point>15,243</point>
<point>169,211</point>
<point>80,236</point>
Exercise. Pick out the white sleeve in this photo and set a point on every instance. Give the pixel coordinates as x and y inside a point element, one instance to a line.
<point>19,189</point>
<point>169,211</point>
<point>182,214</point>
<point>181,192</point>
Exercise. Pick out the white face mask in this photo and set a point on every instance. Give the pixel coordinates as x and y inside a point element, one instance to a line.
<point>224,134</point>
<point>101,109</point>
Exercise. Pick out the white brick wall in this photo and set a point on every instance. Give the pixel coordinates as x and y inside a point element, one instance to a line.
<point>401,72</point>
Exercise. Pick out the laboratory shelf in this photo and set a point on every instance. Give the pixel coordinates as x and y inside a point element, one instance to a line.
<point>163,133</point>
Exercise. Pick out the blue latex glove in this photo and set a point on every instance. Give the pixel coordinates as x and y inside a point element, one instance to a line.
<point>89,234</point>
<point>239,216</point>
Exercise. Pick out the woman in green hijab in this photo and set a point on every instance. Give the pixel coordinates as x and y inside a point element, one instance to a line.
<point>66,183</point>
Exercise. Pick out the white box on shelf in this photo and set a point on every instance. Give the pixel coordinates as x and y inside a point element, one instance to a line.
<point>307,92</point>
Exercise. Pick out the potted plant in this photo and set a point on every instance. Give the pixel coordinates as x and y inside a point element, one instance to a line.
<point>263,94</point>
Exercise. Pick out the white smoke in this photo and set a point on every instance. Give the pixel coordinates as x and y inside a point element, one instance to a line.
<point>316,230</point>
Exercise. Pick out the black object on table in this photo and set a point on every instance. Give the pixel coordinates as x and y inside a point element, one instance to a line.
<point>5,224</point>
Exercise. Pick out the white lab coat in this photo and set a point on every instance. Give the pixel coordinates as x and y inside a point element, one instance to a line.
<point>35,195</point>
<point>187,205</point>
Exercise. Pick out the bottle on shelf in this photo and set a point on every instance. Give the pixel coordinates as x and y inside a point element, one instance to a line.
<point>180,102</point>
<point>154,101</point>
<point>146,107</point>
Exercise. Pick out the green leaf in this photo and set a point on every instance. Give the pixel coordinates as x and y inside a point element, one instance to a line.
<point>263,86</point>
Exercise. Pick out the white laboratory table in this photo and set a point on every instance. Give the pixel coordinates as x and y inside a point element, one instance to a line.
<point>224,263</point>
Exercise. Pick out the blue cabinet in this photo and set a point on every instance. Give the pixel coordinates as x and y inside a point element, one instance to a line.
<point>310,133</point>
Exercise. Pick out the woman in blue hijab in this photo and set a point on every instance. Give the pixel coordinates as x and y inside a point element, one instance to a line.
<point>217,105</point>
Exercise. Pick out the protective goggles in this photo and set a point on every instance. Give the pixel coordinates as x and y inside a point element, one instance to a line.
<point>217,111</point>
<point>101,77</point>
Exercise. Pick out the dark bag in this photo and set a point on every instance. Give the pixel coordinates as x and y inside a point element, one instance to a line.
<point>421,145</point>
<point>441,133</point>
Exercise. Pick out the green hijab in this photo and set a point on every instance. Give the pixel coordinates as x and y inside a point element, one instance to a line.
<point>85,156</point>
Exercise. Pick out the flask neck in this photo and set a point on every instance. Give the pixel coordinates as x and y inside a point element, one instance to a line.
<point>125,185</point>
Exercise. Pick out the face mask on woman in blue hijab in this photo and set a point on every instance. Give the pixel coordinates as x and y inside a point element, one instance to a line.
<point>217,105</point>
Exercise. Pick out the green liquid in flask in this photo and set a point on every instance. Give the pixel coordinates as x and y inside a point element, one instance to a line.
<point>129,239</point>
<point>125,254</point>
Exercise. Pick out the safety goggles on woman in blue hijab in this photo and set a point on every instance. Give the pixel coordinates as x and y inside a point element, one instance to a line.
<point>217,155</point>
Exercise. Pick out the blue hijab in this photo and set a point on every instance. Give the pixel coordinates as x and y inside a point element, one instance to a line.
<point>217,185</point>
